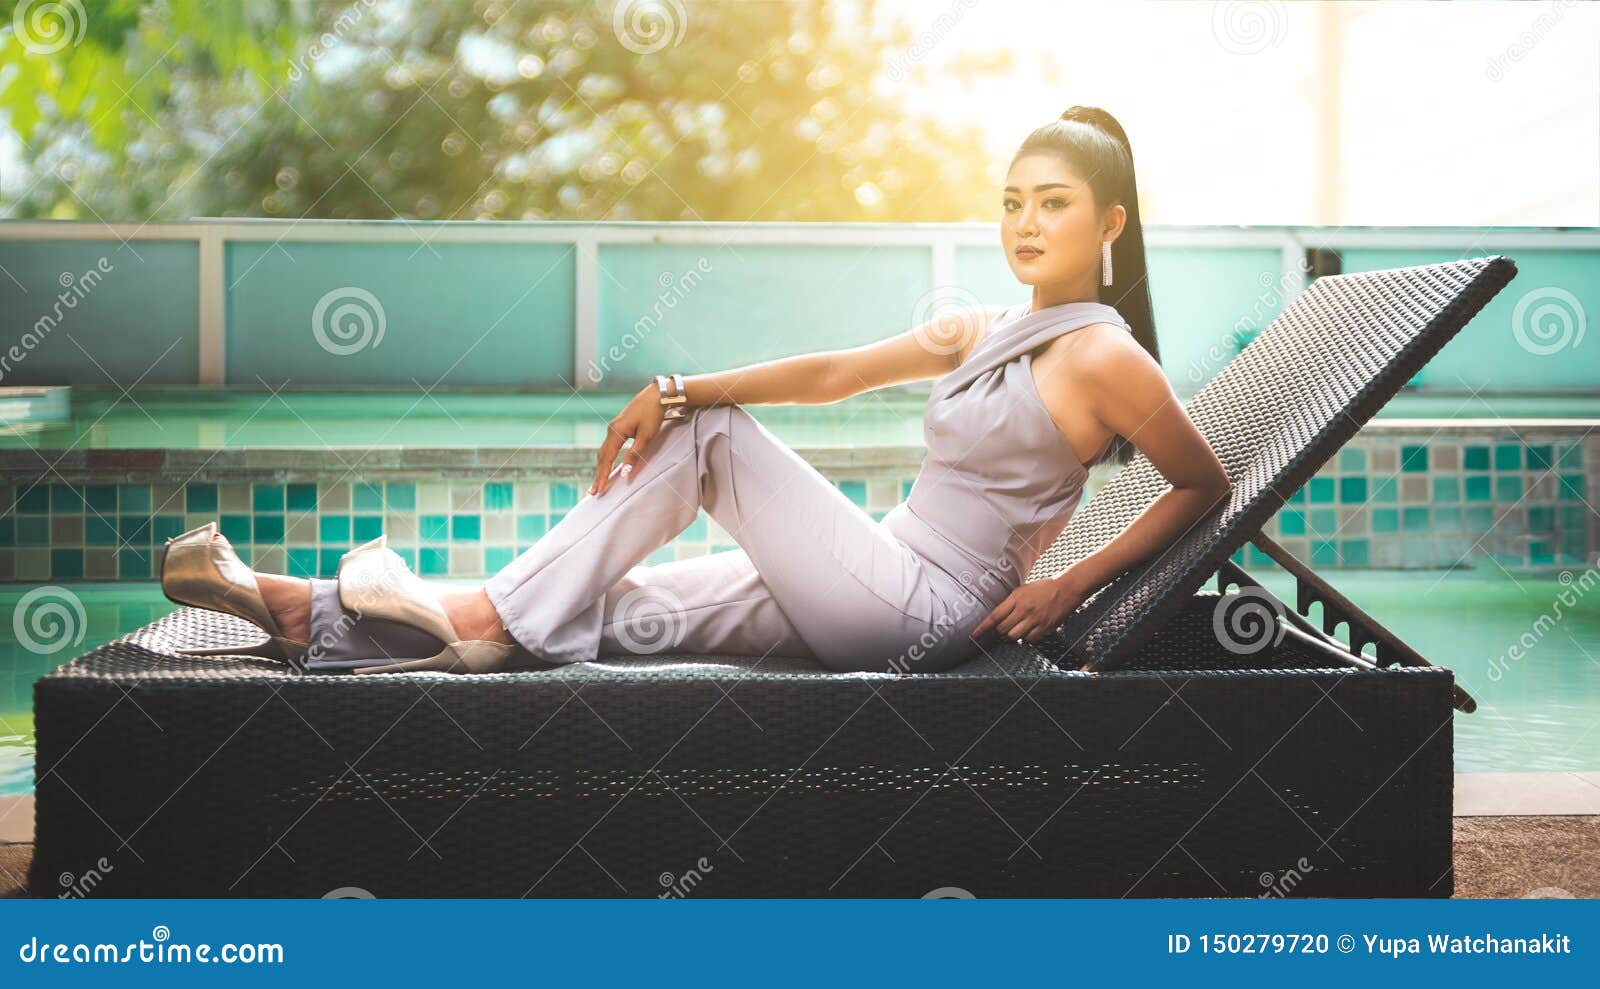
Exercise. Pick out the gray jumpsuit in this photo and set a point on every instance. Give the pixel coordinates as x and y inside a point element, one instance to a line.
<point>815,576</point>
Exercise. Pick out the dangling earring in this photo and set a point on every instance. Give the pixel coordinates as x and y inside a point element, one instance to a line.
<point>1105,262</point>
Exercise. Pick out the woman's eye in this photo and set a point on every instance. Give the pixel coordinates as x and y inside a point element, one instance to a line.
<point>1054,203</point>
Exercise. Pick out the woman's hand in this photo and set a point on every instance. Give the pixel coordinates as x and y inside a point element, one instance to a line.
<point>640,421</point>
<point>1034,609</point>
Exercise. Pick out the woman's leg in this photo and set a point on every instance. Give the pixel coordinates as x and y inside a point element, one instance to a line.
<point>856,596</point>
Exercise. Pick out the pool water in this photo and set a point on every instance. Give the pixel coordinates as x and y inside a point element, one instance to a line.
<point>1540,712</point>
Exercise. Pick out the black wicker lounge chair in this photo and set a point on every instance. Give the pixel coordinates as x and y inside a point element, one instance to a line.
<point>1134,754</point>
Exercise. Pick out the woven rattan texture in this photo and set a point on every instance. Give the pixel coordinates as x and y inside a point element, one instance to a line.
<point>1274,415</point>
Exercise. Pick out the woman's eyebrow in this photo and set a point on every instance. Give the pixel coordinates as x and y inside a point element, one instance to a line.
<point>1042,187</point>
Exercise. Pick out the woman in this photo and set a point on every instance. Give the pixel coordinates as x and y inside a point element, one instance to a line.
<point>1028,398</point>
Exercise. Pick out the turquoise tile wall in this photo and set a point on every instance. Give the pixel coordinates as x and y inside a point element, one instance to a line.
<point>1443,500</point>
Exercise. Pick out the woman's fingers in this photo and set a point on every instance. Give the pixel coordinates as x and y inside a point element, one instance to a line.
<point>993,618</point>
<point>607,457</point>
<point>634,458</point>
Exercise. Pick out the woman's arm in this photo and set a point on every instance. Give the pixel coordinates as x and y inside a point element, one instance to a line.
<point>929,351</point>
<point>1132,398</point>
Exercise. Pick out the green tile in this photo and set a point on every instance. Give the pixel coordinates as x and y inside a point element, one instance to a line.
<point>1571,487</point>
<point>1321,490</point>
<point>530,527</point>
<point>200,499</point>
<point>1386,490</point>
<point>1324,553</point>
<point>1446,488</point>
<point>1478,487</point>
<point>36,500</point>
<point>66,564</point>
<point>1508,487</point>
<point>433,561</point>
<point>1447,520</point>
<point>33,530</point>
<point>696,530</point>
<point>1353,460</point>
<point>556,517</point>
<point>497,558</point>
<point>269,529</point>
<point>1570,456</point>
<point>99,530</point>
<point>1507,456</point>
<point>1298,498</point>
<point>134,529</point>
<point>1574,518</point>
<point>300,498</point>
<point>302,562</point>
<point>1573,543</point>
<point>134,498</point>
<point>100,498</point>
<point>1475,458</point>
<point>1540,457</point>
<point>1541,518</point>
<point>905,490</point>
<point>236,528</point>
<point>663,555</point>
<point>563,495</point>
<point>164,527</point>
<point>1324,521</point>
<point>366,528</point>
<point>365,497</point>
<point>497,496</point>
<point>856,491</point>
<point>8,530</point>
<point>1417,553</point>
<point>1415,518</point>
<point>1355,553</point>
<point>1291,522</point>
<point>1385,520</point>
<point>465,528</point>
<point>65,498</point>
<point>1413,459</point>
<point>409,556</point>
<point>433,528</point>
<point>333,528</point>
<point>328,560</point>
<point>1353,490</point>
<point>1541,553</point>
<point>1254,557</point>
<point>134,564</point>
<point>401,496</point>
<point>266,498</point>
<point>1480,519</point>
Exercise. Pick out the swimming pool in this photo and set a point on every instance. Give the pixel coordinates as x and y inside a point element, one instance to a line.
<point>1539,712</point>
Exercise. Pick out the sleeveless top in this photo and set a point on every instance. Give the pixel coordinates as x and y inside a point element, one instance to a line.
<point>999,481</point>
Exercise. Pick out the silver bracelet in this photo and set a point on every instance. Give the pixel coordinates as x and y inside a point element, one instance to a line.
<point>674,403</point>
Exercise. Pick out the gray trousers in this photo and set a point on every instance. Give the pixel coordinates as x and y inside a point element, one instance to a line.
<point>815,576</point>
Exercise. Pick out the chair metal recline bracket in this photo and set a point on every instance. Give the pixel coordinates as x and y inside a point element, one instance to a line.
<point>1171,766</point>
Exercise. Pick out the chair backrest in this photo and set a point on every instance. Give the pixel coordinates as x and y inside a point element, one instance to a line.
<point>1274,415</point>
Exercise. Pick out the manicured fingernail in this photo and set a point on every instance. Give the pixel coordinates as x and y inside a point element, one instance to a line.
<point>627,469</point>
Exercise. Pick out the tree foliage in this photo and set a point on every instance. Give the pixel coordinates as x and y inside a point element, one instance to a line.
<point>497,109</point>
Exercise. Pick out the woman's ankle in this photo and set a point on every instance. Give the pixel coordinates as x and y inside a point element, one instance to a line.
<point>289,601</point>
<point>473,616</point>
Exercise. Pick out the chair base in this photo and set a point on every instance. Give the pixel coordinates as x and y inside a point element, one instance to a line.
<point>1199,774</point>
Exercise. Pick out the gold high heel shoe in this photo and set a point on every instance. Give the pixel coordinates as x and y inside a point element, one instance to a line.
<point>202,570</point>
<point>374,582</point>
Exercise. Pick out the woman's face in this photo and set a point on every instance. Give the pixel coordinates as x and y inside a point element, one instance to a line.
<point>1051,228</point>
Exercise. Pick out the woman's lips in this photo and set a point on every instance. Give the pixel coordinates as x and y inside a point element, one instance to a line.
<point>1028,253</point>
